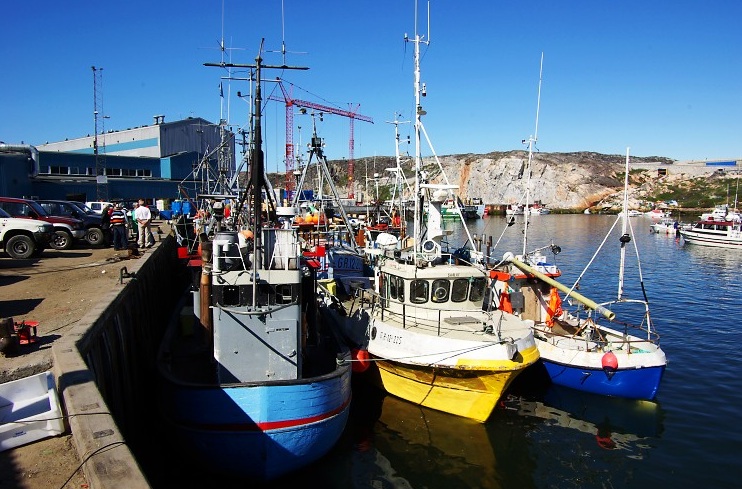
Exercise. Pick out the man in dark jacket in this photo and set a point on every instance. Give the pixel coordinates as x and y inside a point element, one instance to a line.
<point>118,226</point>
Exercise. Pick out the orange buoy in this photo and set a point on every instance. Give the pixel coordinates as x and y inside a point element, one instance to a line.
<point>361,360</point>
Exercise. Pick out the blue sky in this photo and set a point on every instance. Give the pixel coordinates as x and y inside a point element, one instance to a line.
<point>660,77</point>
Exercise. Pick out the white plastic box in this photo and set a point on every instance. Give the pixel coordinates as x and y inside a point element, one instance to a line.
<point>29,411</point>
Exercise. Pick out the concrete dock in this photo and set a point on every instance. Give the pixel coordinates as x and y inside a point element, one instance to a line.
<point>100,342</point>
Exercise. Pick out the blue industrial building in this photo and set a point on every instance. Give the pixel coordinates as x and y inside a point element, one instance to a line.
<point>150,162</point>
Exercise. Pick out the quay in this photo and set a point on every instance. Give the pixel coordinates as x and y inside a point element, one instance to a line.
<point>104,363</point>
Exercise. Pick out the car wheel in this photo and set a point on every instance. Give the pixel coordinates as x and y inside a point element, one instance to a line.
<point>61,240</point>
<point>20,247</point>
<point>94,237</point>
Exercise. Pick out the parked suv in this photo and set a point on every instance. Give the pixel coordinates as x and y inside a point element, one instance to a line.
<point>23,238</point>
<point>66,229</point>
<point>93,228</point>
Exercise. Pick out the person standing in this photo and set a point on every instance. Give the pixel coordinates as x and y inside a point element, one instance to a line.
<point>118,227</point>
<point>144,217</point>
<point>105,224</point>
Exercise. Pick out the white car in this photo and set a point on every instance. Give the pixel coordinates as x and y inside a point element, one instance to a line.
<point>98,206</point>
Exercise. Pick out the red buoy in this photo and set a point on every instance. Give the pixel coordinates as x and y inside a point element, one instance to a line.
<point>360,360</point>
<point>610,361</point>
<point>610,364</point>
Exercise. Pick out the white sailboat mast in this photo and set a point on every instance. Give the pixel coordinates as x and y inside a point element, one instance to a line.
<point>419,112</point>
<point>531,142</point>
<point>624,227</point>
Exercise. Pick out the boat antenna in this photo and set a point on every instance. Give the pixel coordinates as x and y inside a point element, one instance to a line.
<point>419,112</point>
<point>531,142</point>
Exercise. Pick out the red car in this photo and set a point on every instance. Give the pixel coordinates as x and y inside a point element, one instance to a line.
<point>66,229</point>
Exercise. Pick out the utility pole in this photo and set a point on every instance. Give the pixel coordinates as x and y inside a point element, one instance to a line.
<point>101,179</point>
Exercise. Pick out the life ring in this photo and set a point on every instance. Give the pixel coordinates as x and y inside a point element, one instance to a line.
<point>440,293</point>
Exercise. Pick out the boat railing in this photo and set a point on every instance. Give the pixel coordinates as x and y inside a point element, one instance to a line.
<point>631,334</point>
<point>442,319</point>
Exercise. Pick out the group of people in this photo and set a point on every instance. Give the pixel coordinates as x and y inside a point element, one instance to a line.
<point>117,220</point>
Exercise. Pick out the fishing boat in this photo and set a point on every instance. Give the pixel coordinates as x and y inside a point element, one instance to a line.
<point>257,387</point>
<point>609,348</point>
<point>455,208</point>
<point>429,340</point>
<point>714,232</point>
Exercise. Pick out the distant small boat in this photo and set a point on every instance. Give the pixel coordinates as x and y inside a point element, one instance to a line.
<point>656,214</point>
<point>666,225</point>
<point>538,210</point>
<point>515,210</point>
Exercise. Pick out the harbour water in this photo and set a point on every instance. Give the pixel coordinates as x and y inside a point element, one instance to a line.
<point>547,437</point>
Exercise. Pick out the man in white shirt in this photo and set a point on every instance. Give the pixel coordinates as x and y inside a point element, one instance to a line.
<point>144,217</point>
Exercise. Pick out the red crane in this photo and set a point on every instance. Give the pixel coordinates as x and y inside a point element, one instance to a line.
<point>290,103</point>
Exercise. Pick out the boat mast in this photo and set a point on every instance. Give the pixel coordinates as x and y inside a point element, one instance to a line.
<point>625,238</point>
<point>531,142</point>
<point>419,112</point>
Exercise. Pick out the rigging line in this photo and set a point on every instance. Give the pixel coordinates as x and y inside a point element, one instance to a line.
<point>638,263</point>
<point>594,256</point>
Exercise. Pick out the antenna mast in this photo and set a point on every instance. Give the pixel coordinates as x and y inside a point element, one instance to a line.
<point>101,179</point>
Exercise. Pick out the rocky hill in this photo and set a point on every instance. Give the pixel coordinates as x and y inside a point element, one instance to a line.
<point>570,182</point>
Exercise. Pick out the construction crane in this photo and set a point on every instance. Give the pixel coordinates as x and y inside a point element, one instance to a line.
<point>352,114</point>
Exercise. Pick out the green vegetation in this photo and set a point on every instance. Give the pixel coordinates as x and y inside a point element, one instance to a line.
<point>697,193</point>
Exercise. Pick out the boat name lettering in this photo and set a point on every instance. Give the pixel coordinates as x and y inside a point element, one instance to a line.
<point>391,338</point>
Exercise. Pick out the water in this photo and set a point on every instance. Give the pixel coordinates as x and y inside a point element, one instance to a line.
<point>548,437</point>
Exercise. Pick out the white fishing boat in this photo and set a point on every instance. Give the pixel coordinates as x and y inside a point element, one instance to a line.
<point>424,326</point>
<point>609,348</point>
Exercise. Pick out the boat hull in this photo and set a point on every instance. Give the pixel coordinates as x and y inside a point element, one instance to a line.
<point>731,241</point>
<point>634,383</point>
<point>260,431</point>
<point>573,362</point>
<point>466,392</point>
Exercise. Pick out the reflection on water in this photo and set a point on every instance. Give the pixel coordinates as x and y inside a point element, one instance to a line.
<point>615,423</point>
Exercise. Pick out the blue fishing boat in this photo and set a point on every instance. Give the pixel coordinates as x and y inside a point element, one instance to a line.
<point>254,386</point>
<point>610,348</point>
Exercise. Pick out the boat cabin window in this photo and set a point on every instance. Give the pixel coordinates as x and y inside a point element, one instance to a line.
<point>476,293</point>
<point>419,291</point>
<point>396,287</point>
<point>460,290</point>
<point>441,288</point>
